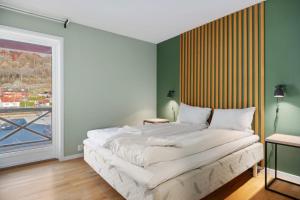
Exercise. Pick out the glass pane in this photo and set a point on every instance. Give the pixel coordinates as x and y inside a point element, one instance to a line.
<point>25,95</point>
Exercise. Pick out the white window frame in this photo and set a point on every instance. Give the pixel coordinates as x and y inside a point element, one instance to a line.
<point>57,151</point>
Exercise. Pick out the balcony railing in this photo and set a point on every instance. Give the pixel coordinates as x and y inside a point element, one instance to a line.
<point>16,132</point>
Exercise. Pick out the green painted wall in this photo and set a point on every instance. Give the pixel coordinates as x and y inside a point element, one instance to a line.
<point>282,66</point>
<point>167,76</point>
<point>109,79</point>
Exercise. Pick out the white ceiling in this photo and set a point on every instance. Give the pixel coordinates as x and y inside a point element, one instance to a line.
<point>149,20</point>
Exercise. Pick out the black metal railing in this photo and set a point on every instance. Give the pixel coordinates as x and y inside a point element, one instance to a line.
<point>17,127</point>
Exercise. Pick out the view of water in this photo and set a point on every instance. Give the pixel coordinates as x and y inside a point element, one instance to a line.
<point>23,135</point>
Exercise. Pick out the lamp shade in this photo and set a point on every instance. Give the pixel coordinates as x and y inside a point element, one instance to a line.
<point>171,94</point>
<point>279,91</point>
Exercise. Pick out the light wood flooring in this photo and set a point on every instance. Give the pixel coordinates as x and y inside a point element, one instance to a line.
<point>75,180</point>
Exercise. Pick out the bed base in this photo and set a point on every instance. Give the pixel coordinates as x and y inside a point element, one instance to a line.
<point>193,185</point>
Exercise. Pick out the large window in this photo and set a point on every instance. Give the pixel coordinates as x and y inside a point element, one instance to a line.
<point>31,121</point>
<point>25,95</point>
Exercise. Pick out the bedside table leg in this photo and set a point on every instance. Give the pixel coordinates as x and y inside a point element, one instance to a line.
<point>275,160</point>
<point>266,165</point>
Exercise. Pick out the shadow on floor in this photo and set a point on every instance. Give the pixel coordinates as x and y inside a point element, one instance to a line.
<point>229,188</point>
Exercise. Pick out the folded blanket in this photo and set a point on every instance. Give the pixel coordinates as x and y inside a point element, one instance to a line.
<point>104,136</point>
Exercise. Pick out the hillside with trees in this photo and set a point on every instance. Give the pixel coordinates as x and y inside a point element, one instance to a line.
<point>24,70</point>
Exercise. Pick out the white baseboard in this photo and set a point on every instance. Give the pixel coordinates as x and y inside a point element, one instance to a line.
<point>286,176</point>
<point>14,159</point>
<point>74,156</point>
<point>26,156</point>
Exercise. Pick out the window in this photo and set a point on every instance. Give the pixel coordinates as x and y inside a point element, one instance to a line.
<point>31,117</point>
<point>25,95</point>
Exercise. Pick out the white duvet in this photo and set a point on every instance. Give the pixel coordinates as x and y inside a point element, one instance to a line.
<point>146,150</point>
<point>158,173</point>
<point>156,153</point>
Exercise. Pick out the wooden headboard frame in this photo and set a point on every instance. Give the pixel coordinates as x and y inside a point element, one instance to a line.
<point>222,64</point>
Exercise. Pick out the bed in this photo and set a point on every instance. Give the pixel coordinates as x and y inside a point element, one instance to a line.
<point>194,175</point>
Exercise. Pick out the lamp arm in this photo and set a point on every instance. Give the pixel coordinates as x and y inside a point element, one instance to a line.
<point>276,116</point>
<point>173,113</point>
<point>275,129</point>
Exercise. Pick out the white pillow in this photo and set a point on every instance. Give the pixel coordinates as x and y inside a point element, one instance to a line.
<point>236,119</point>
<point>193,114</point>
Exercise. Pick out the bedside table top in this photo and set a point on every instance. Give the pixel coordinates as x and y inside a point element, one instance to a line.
<point>156,120</point>
<point>284,139</point>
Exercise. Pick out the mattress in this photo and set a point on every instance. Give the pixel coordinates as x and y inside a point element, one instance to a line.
<point>194,184</point>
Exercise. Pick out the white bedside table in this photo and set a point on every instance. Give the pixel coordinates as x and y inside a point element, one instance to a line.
<point>284,140</point>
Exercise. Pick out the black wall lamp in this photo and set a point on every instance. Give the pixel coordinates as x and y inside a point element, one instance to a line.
<point>171,94</point>
<point>279,91</point>
<point>278,94</point>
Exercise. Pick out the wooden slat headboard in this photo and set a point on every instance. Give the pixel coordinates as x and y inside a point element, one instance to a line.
<point>222,64</point>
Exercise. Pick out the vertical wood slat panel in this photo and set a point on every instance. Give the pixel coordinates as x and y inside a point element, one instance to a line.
<point>213,65</point>
<point>185,68</point>
<point>217,65</point>
<point>245,58</point>
<point>183,48</point>
<point>195,67</point>
<point>225,63</point>
<point>191,70</point>
<point>262,71</point>
<point>208,65</point>
<point>198,67</point>
<point>192,67</point>
<point>230,61</point>
<point>202,66</point>
<point>240,60</point>
<point>222,63</point>
<point>256,73</point>
<point>250,58</point>
<point>188,69</point>
<point>190,83</point>
<point>205,66</point>
<point>234,63</point>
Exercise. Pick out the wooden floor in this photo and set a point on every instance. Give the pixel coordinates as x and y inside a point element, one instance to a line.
<point>74,179</point>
